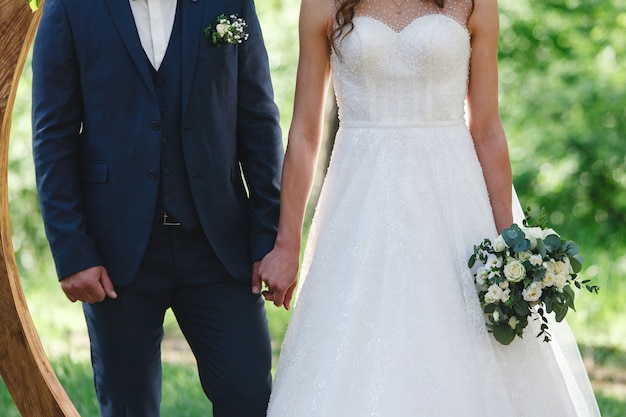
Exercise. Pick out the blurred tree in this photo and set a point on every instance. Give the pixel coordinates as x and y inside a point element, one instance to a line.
<point>563,102</point>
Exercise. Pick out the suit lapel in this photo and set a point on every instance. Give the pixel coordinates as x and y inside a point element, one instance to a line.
<point>125,23</point>
<point>192,27</point>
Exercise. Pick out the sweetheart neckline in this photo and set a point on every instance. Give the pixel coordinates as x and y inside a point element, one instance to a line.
<point>364,16</point>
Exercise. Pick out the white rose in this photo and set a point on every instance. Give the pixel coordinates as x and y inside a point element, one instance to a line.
<point>494,275</point>
<point>535,260</point>
<point>481,275</point>
<point>499,244</point>
<point>524,256</point>
<point>514,270</point>
<point>533,292</point>
<point>549,279</point>
<point>495,291</point>
<point>568,265</point>
<point>549,265</point>
<point>561,267</point>
<point>506,294</point>
<point>221,28</point>
<point>532,234</point>
<point>504,285</point>
<point>513,322</point>
<point>560,281</point>
<point>489,299</point>
<point>493,262</point>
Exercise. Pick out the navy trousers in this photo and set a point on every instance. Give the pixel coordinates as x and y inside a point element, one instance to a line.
<point>223,322</point>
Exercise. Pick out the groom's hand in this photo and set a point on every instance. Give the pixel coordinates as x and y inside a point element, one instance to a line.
<point>256,278</point>
<point>279,271</point>
<point>91,285</point>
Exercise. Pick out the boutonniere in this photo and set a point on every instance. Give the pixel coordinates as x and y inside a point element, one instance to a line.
<point>227,30</point>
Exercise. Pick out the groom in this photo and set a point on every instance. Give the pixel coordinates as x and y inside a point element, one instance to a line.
<point>143,130</point>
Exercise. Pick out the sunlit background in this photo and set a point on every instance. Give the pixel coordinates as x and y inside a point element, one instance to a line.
<point>563,105</point>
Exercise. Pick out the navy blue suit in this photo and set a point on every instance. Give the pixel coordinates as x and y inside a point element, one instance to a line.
<point>98,142</point>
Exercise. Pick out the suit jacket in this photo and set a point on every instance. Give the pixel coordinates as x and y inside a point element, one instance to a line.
<point>96,139</point>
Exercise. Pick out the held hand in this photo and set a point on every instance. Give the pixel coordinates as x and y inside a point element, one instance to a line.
<point>256,278</point>
<point>279,271</point>
<point>91,285</point>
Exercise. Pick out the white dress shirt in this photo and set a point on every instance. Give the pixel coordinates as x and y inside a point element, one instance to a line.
<point>154,20</point>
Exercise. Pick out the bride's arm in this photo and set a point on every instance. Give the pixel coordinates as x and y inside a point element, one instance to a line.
<point>279,268</point>
<point>484,116</point>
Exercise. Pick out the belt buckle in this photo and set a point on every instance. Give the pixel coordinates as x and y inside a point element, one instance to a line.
<point>166,222</point>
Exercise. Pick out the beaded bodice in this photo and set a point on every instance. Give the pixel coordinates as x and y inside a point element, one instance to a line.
<point>403,68</point>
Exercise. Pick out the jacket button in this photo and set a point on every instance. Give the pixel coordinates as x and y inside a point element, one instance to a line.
<point>155,125</point>
<point>152,174</point>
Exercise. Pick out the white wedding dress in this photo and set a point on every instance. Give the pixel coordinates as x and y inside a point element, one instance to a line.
<point>387,321</point>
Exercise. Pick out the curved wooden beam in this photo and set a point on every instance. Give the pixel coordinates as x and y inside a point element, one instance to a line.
<point>24,366</point>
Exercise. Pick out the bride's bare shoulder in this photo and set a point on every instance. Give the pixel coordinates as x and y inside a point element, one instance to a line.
<point>318,13</point>
<point>484,16</point>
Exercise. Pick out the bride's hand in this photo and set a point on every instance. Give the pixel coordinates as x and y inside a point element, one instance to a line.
<point>279,271</point>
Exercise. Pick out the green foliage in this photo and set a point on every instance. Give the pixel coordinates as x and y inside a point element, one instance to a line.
<point>563,104</point>
<point>29,241</point>
<point>183,396</point>
<point>279,21</point>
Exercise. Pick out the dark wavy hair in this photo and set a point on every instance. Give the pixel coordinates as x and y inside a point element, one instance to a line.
<point>344,15</point>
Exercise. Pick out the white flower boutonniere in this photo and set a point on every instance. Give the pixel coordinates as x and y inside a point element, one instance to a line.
<point>227,30</point>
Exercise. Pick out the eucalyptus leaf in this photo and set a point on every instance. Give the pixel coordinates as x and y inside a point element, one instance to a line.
<point>522,246</point>
<point>560,315</point>
<point>553,243</point>
<point>472,261</point>
<point>549,305</point>
<point>541,248</point>
<point>577,263</point>
<point>570,248</point>
<point>513,235</point>
<point>570,296</point>
<point>521,308</point>
<point>503,333</point>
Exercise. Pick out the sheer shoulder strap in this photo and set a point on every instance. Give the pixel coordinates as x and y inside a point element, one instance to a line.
<point>398,14</point>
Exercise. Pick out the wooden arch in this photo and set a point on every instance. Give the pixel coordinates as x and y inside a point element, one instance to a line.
<point>24,366</point>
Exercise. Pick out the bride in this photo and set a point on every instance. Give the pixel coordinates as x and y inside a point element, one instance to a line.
<point>388,322</point>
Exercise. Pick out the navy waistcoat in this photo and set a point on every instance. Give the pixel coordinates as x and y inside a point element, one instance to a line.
<point>175,194</point>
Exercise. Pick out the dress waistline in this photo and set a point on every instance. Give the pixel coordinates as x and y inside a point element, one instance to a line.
<point>400,125</point>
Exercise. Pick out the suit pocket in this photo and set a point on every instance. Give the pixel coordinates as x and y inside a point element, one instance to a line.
<point>215,52</point>
<point>237,178</point>
<point>94,173</point>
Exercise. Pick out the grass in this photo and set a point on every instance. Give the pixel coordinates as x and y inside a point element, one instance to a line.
<point>183,396</point>
<point>61,326</point>
<point>598,324</point>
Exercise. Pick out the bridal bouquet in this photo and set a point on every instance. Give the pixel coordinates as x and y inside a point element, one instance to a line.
<point>526,271</point>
